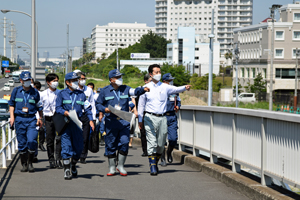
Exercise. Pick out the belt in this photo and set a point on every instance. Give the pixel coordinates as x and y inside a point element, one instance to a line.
<point>170,113</point>
<point>48,117</point>
<point>157,115</point>
<point>25,115</point>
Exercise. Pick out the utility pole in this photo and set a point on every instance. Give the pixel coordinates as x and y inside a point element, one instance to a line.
<point>296,81</point>
<point>4,36</point>
<point>211,58</point>
<point>12,38</point>
<point>70,61</point>
<point>67,57</point>
<point>236,52</point>
<point>33,40</point>
<point>117,57</point>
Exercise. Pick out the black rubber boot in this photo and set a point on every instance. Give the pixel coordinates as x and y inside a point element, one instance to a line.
<point>163,159</point>
<point>52,164</point>
<point>30,160</point>
<point>67,171</point>
<point>73,168</point>
<point>23,158</point>
<point>169,154</point>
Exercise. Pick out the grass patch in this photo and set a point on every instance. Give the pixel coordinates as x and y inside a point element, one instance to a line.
<point>256,105</point>
<point>227,81</point>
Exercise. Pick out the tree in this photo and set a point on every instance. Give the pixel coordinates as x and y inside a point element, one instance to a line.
<point>103,55</point>
<point>181,76</point>
<point>258,85</point>
<point>228,55</point>
<point>131,71</point>
<point>98,60</point>
<point>201,83</point>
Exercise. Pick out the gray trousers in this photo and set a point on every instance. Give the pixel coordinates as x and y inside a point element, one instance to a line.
<point>156,133</point>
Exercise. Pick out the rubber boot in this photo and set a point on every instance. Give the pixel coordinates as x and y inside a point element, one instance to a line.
<point>163,159</point>
<point>152,164</point>
<point>23,158</point>
<point>73,168</point>
<point>120,166</point>
<point>30,160</point>
<point>52,164</point>
<point>158,156</point>
<point>169,154</point>
<point>67,171</point>
<point>112,167</point>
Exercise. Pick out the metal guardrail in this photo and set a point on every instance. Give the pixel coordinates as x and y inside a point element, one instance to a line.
<point>264,141</point>
<point>9,147</point>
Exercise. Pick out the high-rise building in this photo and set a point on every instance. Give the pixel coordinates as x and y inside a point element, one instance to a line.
<point>229,14</point>
<point>122,34</point>
<point>86,45</point>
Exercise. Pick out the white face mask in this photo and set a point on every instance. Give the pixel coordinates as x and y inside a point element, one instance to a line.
<point>74,85</point>
<point>119,82</point>
<point>82,82</point>
<point>171,83</point>
<point>157,77</point>
<point>32,85</point>
<point>27,83</point>
<point>54,85</point>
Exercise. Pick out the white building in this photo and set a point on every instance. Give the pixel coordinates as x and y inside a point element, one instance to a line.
<point>123,34</point>
<point>229,14</point>
<point>192,53</point>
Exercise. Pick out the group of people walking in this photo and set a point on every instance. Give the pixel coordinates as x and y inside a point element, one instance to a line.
<point>156,102</point>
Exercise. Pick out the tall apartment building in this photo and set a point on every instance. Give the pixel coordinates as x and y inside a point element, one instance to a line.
<point>86,45</point>
<point>229,14</point>
<point>122,34</point>
<point>255,45</point>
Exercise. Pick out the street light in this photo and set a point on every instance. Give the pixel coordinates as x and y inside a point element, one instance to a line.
<point>12,41</point>
<point>296,80</point>
<point>273,8</point>
<point>33,34</point>
<point>116,44</point>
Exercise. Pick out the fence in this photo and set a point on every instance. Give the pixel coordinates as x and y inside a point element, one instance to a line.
<point>267,142</point>
<point>9,147</point>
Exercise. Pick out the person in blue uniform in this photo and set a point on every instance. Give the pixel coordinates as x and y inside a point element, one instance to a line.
<point>72,138</point>
<point>173,105</point>
<point>117,130</point>
<point>24,104</point>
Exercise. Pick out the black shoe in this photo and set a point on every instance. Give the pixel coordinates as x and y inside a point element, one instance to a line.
<point>24,168</point>
<point>102,143</point>
<point>144,155</point>
<point>30,160</point>
<point>169,154</point>
<point>24,160</point>
<point>59,164</point>
<point>42,148</point>
<point>74,170</point>
<point>35,160</point>
<point>52,164</point>
<point>82,160</point>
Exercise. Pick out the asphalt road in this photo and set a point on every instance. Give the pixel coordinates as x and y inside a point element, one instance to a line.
<point>175,181</point>
<point>2,82</point>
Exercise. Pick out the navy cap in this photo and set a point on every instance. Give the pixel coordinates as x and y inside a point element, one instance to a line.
<point>71,75</point>
<point>167,77</point>
<point>25,75</point>
<point>114,73</point>
<point>99,89</point>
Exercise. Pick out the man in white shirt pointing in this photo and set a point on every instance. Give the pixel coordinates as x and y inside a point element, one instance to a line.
<point>154,104</point>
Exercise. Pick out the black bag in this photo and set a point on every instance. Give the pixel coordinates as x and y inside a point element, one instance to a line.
<point>94,142</point>
<point>60,122</point>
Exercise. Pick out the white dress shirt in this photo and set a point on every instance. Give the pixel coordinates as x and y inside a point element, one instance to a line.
<point>48,98</point>
<point>155,101</point>
<point>90,98</point>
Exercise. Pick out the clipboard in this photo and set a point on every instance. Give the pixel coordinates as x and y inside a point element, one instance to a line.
<point>60,122</point>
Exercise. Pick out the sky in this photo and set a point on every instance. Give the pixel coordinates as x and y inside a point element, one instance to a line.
<point>52,17</point>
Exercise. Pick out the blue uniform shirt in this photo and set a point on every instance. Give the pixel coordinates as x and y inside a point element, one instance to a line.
<point>110,96</point>
<point>171,100</point>
<point>21,98</point>
<point>66,99</point>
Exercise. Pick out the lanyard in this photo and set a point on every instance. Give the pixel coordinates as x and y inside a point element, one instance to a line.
<point>118,97</point>
<point>25,98</point>
<point>73,101</point>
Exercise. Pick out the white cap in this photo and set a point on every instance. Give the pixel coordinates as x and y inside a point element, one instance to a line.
<point>76,70</point>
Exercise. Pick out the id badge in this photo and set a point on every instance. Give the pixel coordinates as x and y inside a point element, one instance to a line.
<point>118,107</point>
<point>25,109</point>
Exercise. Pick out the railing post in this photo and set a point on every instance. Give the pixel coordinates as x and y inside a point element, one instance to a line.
<point>265,180</point>
<point>195,151</point>
<point>179,131</point>
<point>235,167</point>
<point>9,140</point>
<point>3,145</point>
<point>213,159</point>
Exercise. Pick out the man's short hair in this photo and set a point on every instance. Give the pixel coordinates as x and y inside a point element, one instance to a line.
<point>50,77</point>
<point>80,73</point>
<point>150,69</point>
<point>146,77</point>
<point>92,84</point>
<point>37,85</point>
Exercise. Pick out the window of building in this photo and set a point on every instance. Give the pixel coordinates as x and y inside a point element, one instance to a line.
<point>296,35</point>
<point>106,29</point>
<point>248,72</point>
<point>278,53</point>
<point>265,73</point>
<point>296,17</point>
<point>282,73</point>
<point>279,35</point>
<point>196,49</point>
<point>243,72</point>
<point>253,72</point>
<point>106,44</point>
<point>196,58</point>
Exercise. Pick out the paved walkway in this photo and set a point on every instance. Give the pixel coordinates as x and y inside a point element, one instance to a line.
<point>175,181</point>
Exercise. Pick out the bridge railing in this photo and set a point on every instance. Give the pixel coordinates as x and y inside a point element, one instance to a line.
<point>9,142</point>
<point>267,142</point>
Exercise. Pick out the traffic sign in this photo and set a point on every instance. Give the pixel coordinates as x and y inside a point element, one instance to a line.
<point>5,63</point>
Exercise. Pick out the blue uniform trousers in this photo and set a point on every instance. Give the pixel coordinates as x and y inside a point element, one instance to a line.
<point>71,142</point>
<point>172,129</point>
<point>26,133</point>
<point>117,135</point>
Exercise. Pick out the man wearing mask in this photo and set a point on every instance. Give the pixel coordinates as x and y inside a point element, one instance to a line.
<point>72,138</point>
<point>173,105</point>
<point>154,103</point>
<point>117,130</point>
<point>85,120</point>
<point>24,103</point>
<point>48,98</point>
